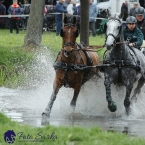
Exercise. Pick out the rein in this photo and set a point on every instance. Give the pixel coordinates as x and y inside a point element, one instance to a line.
<point>78,67</point>
<point>88,48</point>
<point>85,48</point>
<point>122,43</point>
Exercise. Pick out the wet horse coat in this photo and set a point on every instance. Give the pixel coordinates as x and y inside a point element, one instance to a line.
<point>68,66</point>
<point>129,65</point>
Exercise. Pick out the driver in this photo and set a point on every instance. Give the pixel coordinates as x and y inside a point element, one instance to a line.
<point>132,33</point>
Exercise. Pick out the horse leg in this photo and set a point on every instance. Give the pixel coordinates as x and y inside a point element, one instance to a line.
<point>111,104</point>
<point>75,96</point>
<point>56,86</point>
<point>127,98</point>
<point>138,89</point>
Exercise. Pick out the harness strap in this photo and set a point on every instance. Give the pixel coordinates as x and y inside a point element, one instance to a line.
<point>120,64</point>
<point>68,66</point>
<point>117,62</point>
<point>137,62</point>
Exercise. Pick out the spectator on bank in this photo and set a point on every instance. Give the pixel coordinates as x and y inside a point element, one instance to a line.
<point>45,11</point>
<point>139,12</point>
<point>14,9</point>
<point>78,13</point>
<point>45,19</point>
<point>93,12</point>
<point>132,10</point>
<point>124,10</point>
<point>2,12</point>
<point>59,9</point>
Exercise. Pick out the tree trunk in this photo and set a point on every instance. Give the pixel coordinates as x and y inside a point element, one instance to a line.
<point>35,23</point>
<point>84,24</point>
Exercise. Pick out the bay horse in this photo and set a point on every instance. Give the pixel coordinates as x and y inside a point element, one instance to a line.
<point>127,65</point>
<point>69,65</point>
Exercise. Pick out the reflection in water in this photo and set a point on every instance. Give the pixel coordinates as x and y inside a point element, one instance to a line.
<point>26,105</point>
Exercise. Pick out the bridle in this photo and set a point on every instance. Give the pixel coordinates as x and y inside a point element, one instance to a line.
<point>72,44</point>
<point>68,44</point>
<point>110,34</point>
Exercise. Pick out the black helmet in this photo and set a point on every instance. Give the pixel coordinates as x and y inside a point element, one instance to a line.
<point>131,19</point>
<point>139,11</point>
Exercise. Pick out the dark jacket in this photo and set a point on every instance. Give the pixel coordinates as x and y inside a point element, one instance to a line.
<point>124,10</point>
<point>132,12</point>
<point>60,9</point>
<point>2,9</point>
<point>141,26</point>
<point>15,10</point>
<point>135,36</point>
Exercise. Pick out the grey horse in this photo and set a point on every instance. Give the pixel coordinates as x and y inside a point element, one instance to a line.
<point>127,65</point>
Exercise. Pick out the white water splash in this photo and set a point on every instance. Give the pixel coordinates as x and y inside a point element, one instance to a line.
<point>31,99</point>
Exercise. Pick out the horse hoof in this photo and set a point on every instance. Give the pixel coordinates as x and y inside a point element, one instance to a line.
<point>128,110</point>
<point>46,114</point>
<point>73,105</point>
<point>45,119</point>
<point>112,106</point>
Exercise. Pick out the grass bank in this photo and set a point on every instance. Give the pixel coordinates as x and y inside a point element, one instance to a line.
<point>13,59</point>
<point>51,135</point>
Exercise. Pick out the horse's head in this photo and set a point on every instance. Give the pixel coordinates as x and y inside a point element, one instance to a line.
<point>69,34</point>
<point>113,31</point>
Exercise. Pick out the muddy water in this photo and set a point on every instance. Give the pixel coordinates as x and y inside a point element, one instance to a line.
<point>26,104</point>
